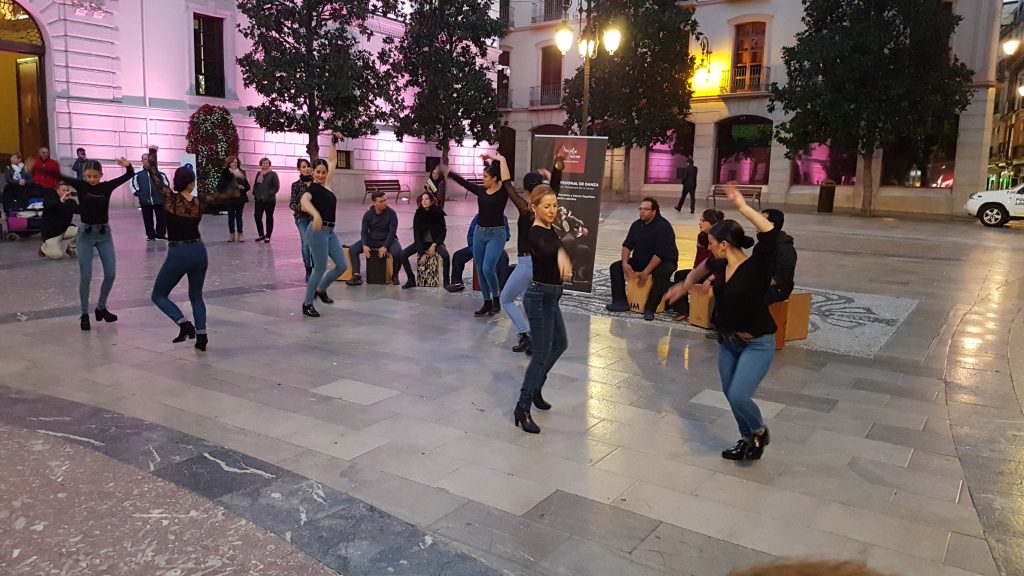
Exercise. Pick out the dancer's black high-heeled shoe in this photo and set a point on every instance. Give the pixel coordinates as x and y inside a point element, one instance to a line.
<point>737,452</point>
<point>185,330</point>
<point>757,445</point>
<point>324,297</point>
<point>85,323</point>
<point>539,403</point>
<point>201,341</point>
<point>308,310</point>
<point>525,421</point>
<point>104,315</point>
<point>485,310</point>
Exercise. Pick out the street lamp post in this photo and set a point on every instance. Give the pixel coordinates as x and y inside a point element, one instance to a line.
<point>588,44</point>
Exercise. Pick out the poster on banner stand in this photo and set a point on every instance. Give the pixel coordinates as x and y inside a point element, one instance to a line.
<point>579,199</point>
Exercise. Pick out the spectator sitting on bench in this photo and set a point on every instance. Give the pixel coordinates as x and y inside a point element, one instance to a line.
<point>648,252</point>
<point>461,257</point>
<point>785,260</point>
<point>379,232</point>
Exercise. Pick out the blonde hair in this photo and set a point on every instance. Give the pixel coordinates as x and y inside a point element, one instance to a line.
<point>808,568</point>
<point>539,192</point>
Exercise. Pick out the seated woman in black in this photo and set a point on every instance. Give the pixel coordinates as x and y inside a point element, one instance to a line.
<point>428,234</point>
<point>709,218</point>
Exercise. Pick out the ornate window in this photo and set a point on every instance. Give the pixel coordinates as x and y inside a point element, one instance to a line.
<point>17,26</point>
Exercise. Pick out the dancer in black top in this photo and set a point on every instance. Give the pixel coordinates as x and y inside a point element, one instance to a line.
<point>186,253</point>
<point>746,331</point>
<point>95,232</point>
<point>489,238</point>
<point>320,203</point>
<point>551,267</point>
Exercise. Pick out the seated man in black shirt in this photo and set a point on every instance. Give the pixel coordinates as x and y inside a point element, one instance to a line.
<point>785,260</point>
<point>648,252</point>
<point>59,208</point>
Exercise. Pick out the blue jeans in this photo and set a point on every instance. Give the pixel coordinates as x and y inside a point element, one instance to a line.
<point>235,217</point>
<point>100,237</point>
<point>741,368</point>
<point>488,244</point>
<point>302,223</point>
<point>515,286</point>
<point>183,259</point>
<point>322,244</point>
<point>548,335</point>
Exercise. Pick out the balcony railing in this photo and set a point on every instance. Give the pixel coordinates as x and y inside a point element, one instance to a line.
<point>505,97</point>
<point>546,11</point>
<point>742,79</point>
<point>507,14</point>
<point>546,95</point>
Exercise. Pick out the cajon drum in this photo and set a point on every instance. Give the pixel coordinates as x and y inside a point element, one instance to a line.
<point>348,265</point>
<point>637,296</point>
<point>702,304</point>
<point>799,316</point>
<point>428,270</point>
<point>379,270</point>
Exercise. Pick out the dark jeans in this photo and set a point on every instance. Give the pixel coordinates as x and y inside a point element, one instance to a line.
<point>100,237</point>
<point>549,341</point>
<point>662,278</point>
<point>182,260</point>
<point>446,262</point>
<point>261,209</point>
<point>464,255</point>
<point>235,217</point>
<point>693,199</point>
<point>149,214</point>
<point>355,252</point>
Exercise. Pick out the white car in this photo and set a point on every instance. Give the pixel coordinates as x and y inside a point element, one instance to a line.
<point>997,207</point>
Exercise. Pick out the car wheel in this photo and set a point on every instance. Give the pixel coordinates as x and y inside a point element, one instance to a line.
<point>993,215</point>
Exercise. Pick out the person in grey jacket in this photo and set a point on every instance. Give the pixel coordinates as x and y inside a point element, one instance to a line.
<point>379,232</point>
<point>151,201</point>
<point>264,194</point>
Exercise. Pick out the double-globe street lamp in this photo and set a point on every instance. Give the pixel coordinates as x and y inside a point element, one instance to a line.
<point>588,44</point>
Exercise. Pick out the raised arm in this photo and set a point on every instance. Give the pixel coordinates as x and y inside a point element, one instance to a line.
<point>475,189</point>
<point>556,170</point>
<point>332,161</point>
<point>761,223</point>
<point>521,203</point>
<point>129,171</point>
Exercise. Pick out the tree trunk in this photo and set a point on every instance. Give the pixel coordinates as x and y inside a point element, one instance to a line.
<point>445,148</point>
<point>868,183</point>
<point>625,174</point>
<point>313,145</point>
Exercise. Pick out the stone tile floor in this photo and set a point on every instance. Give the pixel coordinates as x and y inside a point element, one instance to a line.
<point>911,460</point>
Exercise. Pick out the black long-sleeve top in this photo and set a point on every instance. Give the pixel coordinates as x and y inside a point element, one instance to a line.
<point>182,215</point>
<point>94,200</point>
<point>544,247</point>
<point>490,207</point>
<point>325,202</point>
<point>526,215</point>
<point>428,227</point>
<point>57,214</point>
<point>228,178</point>
<point>739,302</point>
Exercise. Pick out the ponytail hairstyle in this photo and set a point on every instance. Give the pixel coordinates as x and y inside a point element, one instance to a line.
<point>183,176</point>
<point>93,165</point>
<point>493,170</point>
<point>730,232</point>
<point>713,216</point>
<point>539,192</point>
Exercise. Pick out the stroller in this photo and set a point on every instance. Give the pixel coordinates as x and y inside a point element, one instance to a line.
<point>22,211</point>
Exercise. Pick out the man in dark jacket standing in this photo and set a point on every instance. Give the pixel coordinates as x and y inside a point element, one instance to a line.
<point>379,232</point>
<point>785,260</point>
<point>151,201</point>
<point>689,186</point>
<point>649,252</point>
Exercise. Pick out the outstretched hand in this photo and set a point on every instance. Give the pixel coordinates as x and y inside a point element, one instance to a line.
<point>674,293</point>
<point>123,162</point>
<point>734,195</point>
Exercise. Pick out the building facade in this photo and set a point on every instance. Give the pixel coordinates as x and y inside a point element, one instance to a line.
<point>1006,153</point>
<point>113,76</point>
<point>731,125</point>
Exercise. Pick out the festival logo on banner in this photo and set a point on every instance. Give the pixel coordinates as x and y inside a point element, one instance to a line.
<point>576,162</point>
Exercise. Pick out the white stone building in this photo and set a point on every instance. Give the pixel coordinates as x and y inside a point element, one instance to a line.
<point>730,105</point>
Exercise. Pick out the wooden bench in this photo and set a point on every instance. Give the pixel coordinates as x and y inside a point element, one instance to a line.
<point>477,181</point>
<point>749,191</point>
<point>385,186</point>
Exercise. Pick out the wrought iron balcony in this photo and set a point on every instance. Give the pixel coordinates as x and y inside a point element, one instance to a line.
<point>507,14</point>
<point>745,79</point>
<point>546,11</point>
<point>505,97</point>
<point>546,95</point>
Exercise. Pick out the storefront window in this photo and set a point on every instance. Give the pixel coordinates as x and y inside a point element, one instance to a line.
<point>665,162</point>
<point>744,149</point>
<point>821,162</point>
<point>927,162</point>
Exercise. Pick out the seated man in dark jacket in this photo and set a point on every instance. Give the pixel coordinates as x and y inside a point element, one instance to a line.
<point>59,209</point>
<point>379,232</point>
<point>648,252</point>
<point>785,260</point>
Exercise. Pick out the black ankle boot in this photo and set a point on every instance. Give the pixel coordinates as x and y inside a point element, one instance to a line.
<point>524,342</point>
<point>324,297</point>
<point>104,315</point>
<point>484,310</point>
<point>85,323</point>
<point>737,452</point>
<point>308,310</point>
<point>524,420</point>
<point>308,272</point>
<point>185,330</point>
<point>201,341</point>
<point>495,307</point>
<point>539,403</point>
<point>756,448</point>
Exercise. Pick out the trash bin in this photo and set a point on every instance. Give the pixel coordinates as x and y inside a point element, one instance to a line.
<point>826,197</point>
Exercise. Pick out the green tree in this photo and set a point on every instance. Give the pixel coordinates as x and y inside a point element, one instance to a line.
<point>640,95</point>
<point>307,63</point>
<point>443,65</point>
<point>865,74</point>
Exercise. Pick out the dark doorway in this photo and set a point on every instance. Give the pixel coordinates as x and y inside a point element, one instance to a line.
<point>507,147</point>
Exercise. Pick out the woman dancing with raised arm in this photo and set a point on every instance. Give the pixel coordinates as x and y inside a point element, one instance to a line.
<point>320,203</point>
<point>186,253</point>
<point>746,330</point>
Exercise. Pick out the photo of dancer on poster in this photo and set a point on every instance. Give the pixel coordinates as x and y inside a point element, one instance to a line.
<point>576,241</point>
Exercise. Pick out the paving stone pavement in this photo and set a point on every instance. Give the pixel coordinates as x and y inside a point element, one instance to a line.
<point>399,399</point>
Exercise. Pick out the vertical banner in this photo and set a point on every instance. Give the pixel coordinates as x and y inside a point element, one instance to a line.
<point>579,198</point>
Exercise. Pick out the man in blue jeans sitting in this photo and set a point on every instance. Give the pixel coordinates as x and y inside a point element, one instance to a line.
<point>461,257</point>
